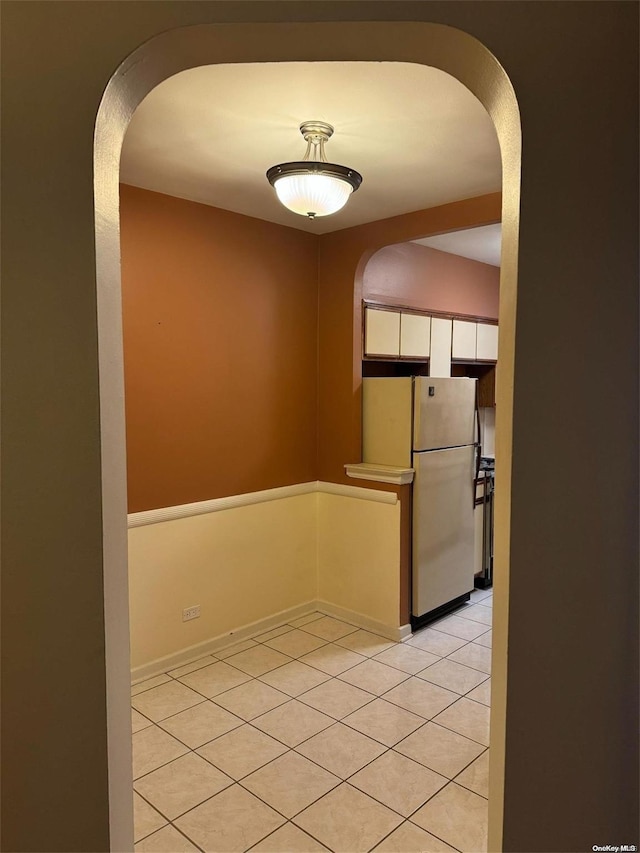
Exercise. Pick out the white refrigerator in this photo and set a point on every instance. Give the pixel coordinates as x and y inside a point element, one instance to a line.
<point>430,424</point>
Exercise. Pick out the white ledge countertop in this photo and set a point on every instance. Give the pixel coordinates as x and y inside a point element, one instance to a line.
<point>379,473</point>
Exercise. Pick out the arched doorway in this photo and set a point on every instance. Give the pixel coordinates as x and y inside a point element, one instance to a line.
<point>450,50</point>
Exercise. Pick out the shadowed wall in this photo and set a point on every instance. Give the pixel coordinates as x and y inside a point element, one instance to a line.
<point>571,731</point>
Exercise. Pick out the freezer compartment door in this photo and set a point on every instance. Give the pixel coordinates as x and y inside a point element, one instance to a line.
<point>444,412</point>
<point>443,528</point>
<point>387,413</point>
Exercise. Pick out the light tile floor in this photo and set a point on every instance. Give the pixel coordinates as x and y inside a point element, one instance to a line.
<point>317,735</point>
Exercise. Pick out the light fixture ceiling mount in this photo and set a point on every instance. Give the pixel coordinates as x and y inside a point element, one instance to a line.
<point>312,186</point>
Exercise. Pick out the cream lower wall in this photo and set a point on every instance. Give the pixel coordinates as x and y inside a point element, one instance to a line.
<point>359,557</point>
<point>248,563</point>
<point>240,565</point>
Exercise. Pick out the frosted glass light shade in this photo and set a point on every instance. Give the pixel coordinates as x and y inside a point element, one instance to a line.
<point>312,195</point>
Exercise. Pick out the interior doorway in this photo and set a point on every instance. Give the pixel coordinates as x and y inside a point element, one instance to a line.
<point>162,56</point>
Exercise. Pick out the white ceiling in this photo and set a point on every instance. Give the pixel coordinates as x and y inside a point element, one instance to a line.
<point>479,244</point>
<point>418,137</point>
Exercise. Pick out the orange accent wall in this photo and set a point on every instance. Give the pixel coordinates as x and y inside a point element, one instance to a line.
<point>422,277</point>
<point>220,346</point>
<point>242,340</point>
<point>343,258</point>
<point>343,261</point>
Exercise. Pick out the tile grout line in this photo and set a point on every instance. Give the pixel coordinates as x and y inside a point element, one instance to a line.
<point>292,698</point>
<point>335,721</point>
<point>373,849</point>
<point>273,832</point>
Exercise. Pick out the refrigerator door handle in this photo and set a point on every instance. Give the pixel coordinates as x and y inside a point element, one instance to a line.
<point>478,443</point>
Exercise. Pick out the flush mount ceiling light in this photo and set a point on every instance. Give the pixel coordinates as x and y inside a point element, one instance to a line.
<point>311,186</point>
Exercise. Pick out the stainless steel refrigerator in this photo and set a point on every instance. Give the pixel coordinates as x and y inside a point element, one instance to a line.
<point>430,424</point>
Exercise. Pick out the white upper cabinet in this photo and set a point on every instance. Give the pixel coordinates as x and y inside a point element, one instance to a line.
<point>463,344</point>
<point>381,332</point>
<point>440,362</point>
<point>487,343</point>
<point>415,335</point>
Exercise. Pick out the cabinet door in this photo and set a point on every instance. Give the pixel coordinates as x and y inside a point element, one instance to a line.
<point>440,360</point>
<point>382,332</point>
<point>415,335</point>
<point>463,344</point>
<point>487,344</point>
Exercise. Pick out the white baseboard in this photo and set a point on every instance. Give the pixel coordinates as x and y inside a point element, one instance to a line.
<point>364,622</point>
<point>207,647</point>
<point>405,632</point>
<point>246,632</point>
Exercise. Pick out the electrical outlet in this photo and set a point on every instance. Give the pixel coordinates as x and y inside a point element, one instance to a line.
<point>191,613</point>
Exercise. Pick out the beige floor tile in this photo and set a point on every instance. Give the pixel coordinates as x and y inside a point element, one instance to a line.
<point>487,602</point>
<point>484,639</point>
<point>468,718</point>
<point>481,693</point>
<point>181,785</point>
<point>420,697</point>
<point>453,676</point>
<point>476,776</point>
<point>304,620</point>
<point>296,643</point>
<point>398,782</point>
<point>149,683</point>
<point>384,722</point>
<point>473,655</point>
<point>242,751</point>
<point>258,660</point>
<point>251,699</point>
<point>329,628</point>
<point>348,821</point>
<point>292,723</point>
<point>233,820</point>
<point>336,698</point>
<point>274,632</point>
<point>214,679</point>
<point>481,594</point>
<point>341,750</point>
<point>138,722</point>
<point>166,840</point>
<point>365,643</point>
<point>290,783</point>
<point>294,678</point>
<point>436,642</point>
<point>464,629</point>
<point>234,649</point>
<point>145,818</point>
<point>410,838</point>
<point>197,726</point>
<point>290,838</point>
<point>374,677</point>
<point>457,816</point>
<point>440,749</point>
<point>333,659</point>
<point>152,748</point>
<point>192,667</point>
<point>166,700</point>
<point>476,613</point>
<point>407,658</point>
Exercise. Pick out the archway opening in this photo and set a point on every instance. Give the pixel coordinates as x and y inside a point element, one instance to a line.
<point>109,135</point>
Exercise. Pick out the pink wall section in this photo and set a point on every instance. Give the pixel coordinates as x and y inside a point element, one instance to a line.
<point>419,277</point>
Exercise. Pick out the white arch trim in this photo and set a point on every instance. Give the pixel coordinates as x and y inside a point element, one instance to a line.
<point>446,48</point>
